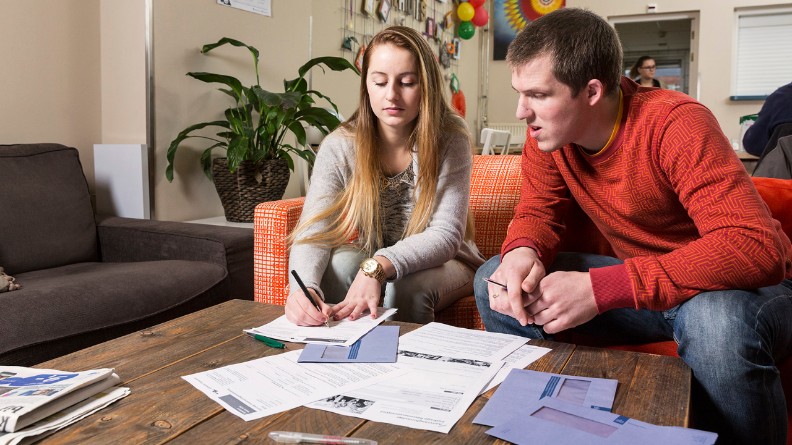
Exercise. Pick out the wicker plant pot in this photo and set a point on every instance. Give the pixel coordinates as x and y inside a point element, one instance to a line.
<point>249,185</point>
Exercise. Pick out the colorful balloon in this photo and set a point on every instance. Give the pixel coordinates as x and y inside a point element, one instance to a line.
<point>466,30</point>
<point>481,16</point>
<point>476,3</point>
<point>465,11</point>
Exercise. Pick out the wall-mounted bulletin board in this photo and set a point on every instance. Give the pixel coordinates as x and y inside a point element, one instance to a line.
<point>361,19</point>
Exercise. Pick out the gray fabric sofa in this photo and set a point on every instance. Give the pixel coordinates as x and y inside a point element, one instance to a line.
<point>86,279</point>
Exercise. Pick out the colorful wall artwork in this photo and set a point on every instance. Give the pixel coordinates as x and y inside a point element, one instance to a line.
<point>511,16</point>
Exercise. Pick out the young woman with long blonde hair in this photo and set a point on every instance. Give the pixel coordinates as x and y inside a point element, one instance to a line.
<point>385,220</point>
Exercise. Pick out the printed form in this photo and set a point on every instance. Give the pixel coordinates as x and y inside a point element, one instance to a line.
<point>269,385</point>
<point>446,368</point>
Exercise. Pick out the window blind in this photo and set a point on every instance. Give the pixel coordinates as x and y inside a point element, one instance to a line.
<point>764,52</point>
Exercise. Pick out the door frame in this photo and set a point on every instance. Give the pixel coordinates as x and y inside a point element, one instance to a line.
<point>694,79</point>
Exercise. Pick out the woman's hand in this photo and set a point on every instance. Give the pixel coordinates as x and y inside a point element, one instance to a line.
<point>300,311</point>
<point>364,293</point>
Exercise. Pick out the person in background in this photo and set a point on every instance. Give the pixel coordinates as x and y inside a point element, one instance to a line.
<point>776,110</point>
<point>699,259</point>
<point>643,72</point>
<point>396,178</point>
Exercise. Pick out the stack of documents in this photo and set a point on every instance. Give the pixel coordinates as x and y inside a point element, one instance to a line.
<point>425,379</point>
<point>535,407</point>
<point>34,402</point>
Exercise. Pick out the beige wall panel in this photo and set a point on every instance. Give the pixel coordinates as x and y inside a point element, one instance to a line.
<point>181,27</point>
<point>51,74</point>
<point>123,61</point>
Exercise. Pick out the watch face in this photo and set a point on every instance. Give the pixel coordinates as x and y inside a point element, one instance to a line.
<point>370,265</point>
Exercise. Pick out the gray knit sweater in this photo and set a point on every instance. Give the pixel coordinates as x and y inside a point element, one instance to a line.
<point>441,241</point>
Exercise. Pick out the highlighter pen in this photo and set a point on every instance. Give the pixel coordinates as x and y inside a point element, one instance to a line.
<point>267,341</point>
<point>308,295</point>
<point>289,437</point>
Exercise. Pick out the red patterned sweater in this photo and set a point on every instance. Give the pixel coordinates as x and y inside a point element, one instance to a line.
<point>669,195</point>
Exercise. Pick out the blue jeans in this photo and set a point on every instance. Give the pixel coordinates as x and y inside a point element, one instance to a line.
<point>731,339</point>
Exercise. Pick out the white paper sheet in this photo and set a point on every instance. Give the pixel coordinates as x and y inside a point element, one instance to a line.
<point>450,342</point>
<point>519,359</point>
<point>343,333</point>
<point>269,385</point>
<point>432,395</point>
<point>263,7</point>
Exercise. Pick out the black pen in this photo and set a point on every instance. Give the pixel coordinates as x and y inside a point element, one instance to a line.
<point>308,294</point>
<point>495,283</point>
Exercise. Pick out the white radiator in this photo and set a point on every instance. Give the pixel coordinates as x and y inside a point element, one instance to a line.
<point>517,130</point>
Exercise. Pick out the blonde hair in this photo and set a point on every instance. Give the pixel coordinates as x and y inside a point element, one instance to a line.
<point>356,209</point>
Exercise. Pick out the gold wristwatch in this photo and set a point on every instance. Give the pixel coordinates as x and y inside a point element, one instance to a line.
<point>372,268</point>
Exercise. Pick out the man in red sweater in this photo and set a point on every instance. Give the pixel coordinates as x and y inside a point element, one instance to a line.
<point>699,257</point>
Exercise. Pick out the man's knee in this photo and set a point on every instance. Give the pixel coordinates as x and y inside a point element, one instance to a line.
<point>712,323</point>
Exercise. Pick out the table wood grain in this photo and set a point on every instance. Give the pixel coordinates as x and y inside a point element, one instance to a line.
<point>164,408</point>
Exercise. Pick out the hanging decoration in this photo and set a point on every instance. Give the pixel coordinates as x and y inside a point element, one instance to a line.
<point>457,96</point>
<point>471,13</point>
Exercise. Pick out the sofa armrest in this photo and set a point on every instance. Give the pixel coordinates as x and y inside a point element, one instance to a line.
<point>272,223</point>
<point>130,240</point>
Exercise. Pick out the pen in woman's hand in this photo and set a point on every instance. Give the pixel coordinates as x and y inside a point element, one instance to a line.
<point>309,296</point>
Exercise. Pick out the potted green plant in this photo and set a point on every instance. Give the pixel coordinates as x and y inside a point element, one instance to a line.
<point>258,160</point>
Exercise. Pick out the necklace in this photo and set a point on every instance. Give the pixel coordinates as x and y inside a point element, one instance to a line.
<point>392,183</point>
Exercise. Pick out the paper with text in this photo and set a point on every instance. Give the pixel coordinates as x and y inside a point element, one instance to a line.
<point>269,385</point>
<point>432,395</point>
<point>344,332</point>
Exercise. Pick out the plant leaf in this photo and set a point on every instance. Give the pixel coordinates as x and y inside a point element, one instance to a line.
<point>334,63</point>
<point>185,134</point>
<point>298,130</point>
<point>206,160</point>
<point>230,81</point>
<point>237,151</point>
<point>267,98</point>
<point>225,40</point>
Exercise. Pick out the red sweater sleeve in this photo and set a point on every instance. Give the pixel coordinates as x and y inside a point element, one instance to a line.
<point>544,199</point>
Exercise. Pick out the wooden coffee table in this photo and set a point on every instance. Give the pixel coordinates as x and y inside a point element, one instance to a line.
<point>162,407</point>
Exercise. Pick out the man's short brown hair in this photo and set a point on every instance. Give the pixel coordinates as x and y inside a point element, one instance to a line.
<point>581,44</point>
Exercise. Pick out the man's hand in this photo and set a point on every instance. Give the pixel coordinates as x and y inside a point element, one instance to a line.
<point>521,271</point>
<point>364,293</point>
<point>301,312</point>
<point>565,300</point>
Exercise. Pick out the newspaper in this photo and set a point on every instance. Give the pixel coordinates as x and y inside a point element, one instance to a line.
<point>64,418</point>
<point>28,395</point>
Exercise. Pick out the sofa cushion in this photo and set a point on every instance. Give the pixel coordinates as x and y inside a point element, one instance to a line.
<point>777,194</point>
<point>47,219</point>
<point>66,301</point>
